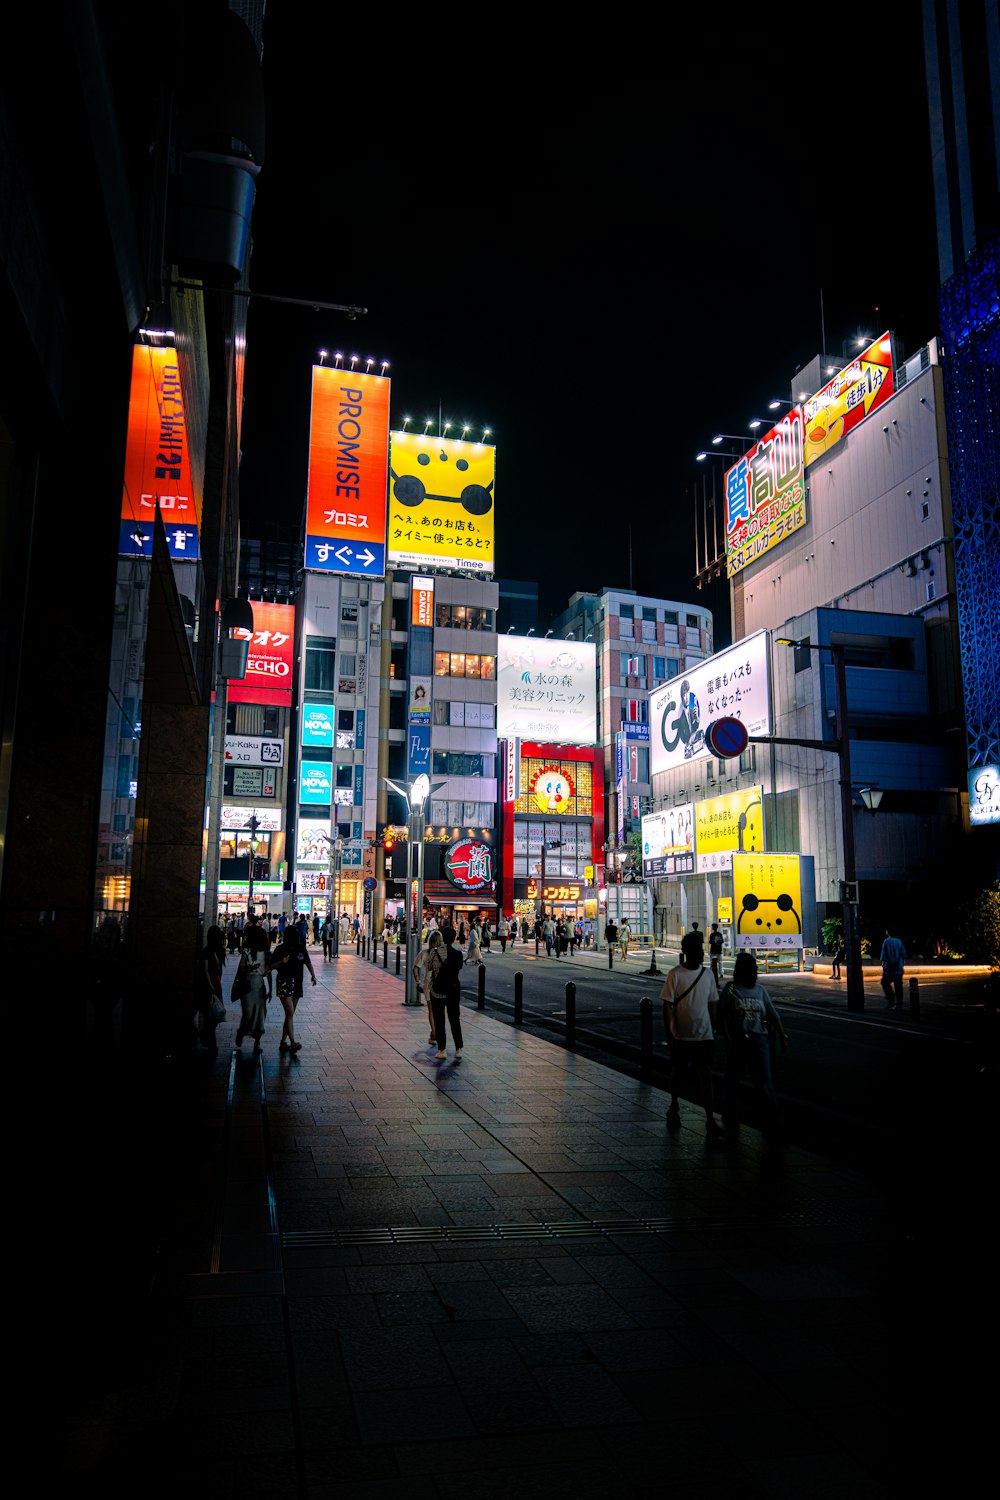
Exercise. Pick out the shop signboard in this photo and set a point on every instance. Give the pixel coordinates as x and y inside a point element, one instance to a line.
<point>668,841</point>
<point>441,503</point>
<point>315,785</point>
<point>733,683</point>
<point>317,723</point>
<point>469,865</point>
<point>247,781</point>
<point>724,826</point>
<point>765,493</point>
<point>851,396</point>
<point>271,657</point>
<point>251,750</point>
<point>235,817</point>
<point>422,602</point>
<point>348,457</point>
<point>157,462</point>
<point>767,901</point>
<point>546,690</point>
<point>984,795</point>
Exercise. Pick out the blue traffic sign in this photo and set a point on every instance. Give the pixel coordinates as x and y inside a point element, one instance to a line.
<point>726,738</point>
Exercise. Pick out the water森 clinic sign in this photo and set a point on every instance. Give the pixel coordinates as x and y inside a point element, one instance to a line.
<point>348,464</point>
<point>157,463</point>
<point>271,658</point>
<point>851,396</point>
<point>766,493</point>
<point>441,503</point>
<point>546,690</point>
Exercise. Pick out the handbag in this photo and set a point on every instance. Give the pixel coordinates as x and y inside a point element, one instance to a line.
<point>241,983</point>
<point>216,1011</point>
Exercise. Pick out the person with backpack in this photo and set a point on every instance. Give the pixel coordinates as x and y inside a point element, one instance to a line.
<point>443,969</point>
<point>748,1020</point>
<point>434,943</point>
<point>689,996</point>
<point>716,944</point>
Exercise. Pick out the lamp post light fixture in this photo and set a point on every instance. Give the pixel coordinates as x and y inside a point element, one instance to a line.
<point>841,747</point>
<point>251,863</point>
<point>416,793</point>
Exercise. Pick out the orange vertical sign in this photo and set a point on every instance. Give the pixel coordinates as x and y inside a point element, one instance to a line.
<point>348,470</point>
<point>157,462</point>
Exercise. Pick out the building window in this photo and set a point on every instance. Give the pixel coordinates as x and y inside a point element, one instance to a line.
<point>691,621</point>
<point>321,676</point>
<point>464,664</point>
<point>648,613</point>
<point>660,668</point>
<point>459,763</point>
<point>627,612</point>
<point>345,775</point>
<point>463,617</point>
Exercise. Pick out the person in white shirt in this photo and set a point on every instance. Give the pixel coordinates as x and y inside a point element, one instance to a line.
<point>689,996</point>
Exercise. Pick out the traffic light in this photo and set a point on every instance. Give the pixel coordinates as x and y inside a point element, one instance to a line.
<point>388,841</point>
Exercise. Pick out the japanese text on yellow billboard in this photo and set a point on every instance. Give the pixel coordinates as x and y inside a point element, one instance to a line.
<point>441,502</point>
<point>851,396</point>
<point>729,825</point>
<point>767,897</point>
<point>766,494</point>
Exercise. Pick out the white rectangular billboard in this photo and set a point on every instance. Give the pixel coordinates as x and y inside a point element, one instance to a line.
<point>668,841</point>
<point>732,684</point>
<point>546,690</point>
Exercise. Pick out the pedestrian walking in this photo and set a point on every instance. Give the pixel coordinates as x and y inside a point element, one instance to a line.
<point>289,962</point>
<point>444,982</point>
<point>893,960</point>
<point>716,945</point>
<point>251,987</point>
<point>475,952</point>
<point>611,933</point>
<point>211,961</point>
<point>689,996</point>
<point>624,934</point>
<point>749,1024</point>
<point>549,935</point>
<point>434,942</point>
<point>484,936</point>
<point>838,958</point>
<point>326,934</point>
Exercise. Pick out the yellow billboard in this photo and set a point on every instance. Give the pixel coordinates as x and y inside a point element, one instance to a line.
<point>728,825</point>
<point>441,502</point>
<point>767,895</point>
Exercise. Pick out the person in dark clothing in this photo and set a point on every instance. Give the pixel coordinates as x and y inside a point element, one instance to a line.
<point>444,984</point>
<point>693,946</point>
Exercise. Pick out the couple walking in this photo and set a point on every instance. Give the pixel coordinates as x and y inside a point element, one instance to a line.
<point>437,971</point>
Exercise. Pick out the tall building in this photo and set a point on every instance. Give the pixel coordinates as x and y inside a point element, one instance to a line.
<point>640,642</point>
<point>838,537</point>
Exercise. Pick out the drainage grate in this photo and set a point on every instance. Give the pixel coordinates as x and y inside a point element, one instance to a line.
<point>812,1216</point>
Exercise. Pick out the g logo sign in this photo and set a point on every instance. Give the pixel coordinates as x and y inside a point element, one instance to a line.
<point>671,742</point>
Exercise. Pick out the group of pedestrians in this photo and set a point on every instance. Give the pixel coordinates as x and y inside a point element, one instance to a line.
<point>695,1009</point>
<point>260,971</point>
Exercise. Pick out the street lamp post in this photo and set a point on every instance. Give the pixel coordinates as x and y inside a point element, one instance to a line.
<point>335,844</point>
<point>416,794</point>
<point>254,846</point>
<point>841,746</point>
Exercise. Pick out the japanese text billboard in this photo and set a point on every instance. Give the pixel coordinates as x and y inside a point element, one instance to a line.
<point>252,750</point>
<point>546,690</point>
<point>850,397</point>
<point>345,496</point>
<point>767,900</point>
<point>668,841</point>
<point>729,825</point>
<point>766,494</point>
<point>441,502</point>
<point>157,463</point>
<point>271,659</point>
<point>733,683</point>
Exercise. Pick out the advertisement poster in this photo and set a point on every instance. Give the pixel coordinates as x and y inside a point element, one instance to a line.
<point>441,503</point>
<point>420,700</point>
<point>733,683</point>
<point>668,841</point>
<point>765,493</point>
<point>851,396</point>
<point>317,724</point>
<point>767,901</point>
<point>348,459</point>
<point>312,842</point>
<point>234,818</point>
<point>724,826</point>
<point>271,661</point>
<point>422,602</point>
<point>315,785</point>
<point>546,690</point>
<point>157,464</point>
<point>984,795</point>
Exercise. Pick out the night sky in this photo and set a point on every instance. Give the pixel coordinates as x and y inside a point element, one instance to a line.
<point>606,251</point>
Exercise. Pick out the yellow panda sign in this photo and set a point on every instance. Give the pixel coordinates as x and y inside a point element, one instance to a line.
<point>441,502</point>
<point>767,901</point>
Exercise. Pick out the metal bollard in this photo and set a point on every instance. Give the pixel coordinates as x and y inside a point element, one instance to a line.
<point>482,987</point>
<point>518,998</point>
<point>358,947</point>
<point>571,1014</point>
<point>646,1033</point>
<point>398,952</point>
<point>536,947</point>
<point>385,955</point>
<point>914,998</point>
<point>611,955</point>
<point>374,948</point>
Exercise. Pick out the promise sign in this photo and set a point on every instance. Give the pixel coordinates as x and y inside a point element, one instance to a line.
<point>348,471</point>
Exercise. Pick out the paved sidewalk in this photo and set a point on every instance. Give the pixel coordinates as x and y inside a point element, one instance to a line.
<point>382,1275</point>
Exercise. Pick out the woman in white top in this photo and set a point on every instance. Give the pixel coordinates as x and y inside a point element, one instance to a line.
<point>474,955</point>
